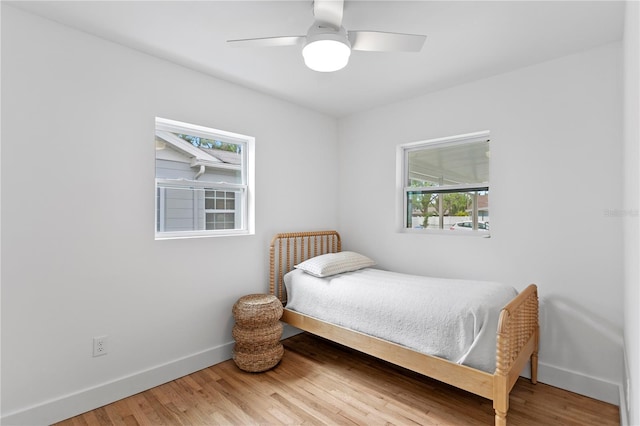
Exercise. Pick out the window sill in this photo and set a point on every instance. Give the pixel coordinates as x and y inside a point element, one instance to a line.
<point>445,232</point>
<point>200,234</point>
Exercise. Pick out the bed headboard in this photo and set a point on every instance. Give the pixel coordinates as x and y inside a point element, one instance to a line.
<point>288,249</point>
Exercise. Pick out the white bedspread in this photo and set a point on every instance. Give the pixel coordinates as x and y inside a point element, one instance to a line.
<point>452,319</point>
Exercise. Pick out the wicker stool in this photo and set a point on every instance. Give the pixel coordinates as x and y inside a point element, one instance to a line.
<point>257,332</point>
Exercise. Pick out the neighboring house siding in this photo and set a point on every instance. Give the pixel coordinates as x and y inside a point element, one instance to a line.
<point>177,207</point>
<point>183,210</point>
<point>168,169</point>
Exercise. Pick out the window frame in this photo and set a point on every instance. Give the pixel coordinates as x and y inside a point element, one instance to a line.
<point>403,189</point>
<point>245,202</point>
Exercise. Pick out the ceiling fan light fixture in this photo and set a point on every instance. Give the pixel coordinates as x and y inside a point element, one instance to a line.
<point>326,55</point>
<point>327,49</point>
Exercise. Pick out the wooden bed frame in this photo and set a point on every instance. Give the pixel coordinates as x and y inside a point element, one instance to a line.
<point>517,334</point>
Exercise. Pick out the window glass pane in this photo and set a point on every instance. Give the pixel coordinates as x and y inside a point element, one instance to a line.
<point>189,209</point>
<point>177,209</point>
<point>451,210</point>
<point>456,164</point>
<point>220,221</point>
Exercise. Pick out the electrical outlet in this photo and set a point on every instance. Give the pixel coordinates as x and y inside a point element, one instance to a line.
<point>99,345</point>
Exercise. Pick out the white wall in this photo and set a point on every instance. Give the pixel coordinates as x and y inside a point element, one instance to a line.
<point>631,206</point>
<point>556,152</point>
<point>78,252</point>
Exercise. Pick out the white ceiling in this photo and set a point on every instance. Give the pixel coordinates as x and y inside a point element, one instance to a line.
<point>466,40</point>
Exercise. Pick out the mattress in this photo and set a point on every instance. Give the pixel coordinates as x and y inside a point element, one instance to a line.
<point>448,318</point>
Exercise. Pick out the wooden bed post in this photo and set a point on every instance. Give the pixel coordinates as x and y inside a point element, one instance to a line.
<point>501,378</point>
<point>501,389</point>
<point>534,357</point>
<point>516,344</point>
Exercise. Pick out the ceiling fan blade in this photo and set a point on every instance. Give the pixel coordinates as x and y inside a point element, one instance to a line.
<point>268,41</point>
<point>328,12</point>
<point>377,41</point>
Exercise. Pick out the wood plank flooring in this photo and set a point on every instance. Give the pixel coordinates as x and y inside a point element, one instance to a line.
<point>319,382</point>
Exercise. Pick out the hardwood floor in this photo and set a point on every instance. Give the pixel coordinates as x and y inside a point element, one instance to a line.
<point>318,382</point>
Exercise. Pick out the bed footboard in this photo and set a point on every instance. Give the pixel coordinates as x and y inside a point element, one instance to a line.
<point>517,343</point>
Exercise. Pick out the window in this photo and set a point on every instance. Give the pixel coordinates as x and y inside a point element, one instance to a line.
<point>443,184</point>
<point>204,181</point>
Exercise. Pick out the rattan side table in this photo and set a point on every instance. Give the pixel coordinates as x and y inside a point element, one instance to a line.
<point>257,332</point>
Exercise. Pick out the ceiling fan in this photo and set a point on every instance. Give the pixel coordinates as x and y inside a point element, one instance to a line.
<point>327,45</point>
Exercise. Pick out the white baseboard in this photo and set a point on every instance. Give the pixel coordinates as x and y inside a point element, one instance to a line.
<point>593,387</point>
<point>289,331</point>
<point>88,399</point>
<point>85,400</point>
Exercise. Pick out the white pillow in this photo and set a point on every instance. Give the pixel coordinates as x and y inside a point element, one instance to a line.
<point>329,264</point>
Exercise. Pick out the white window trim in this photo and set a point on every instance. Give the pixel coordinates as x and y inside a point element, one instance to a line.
<point>401,172</point>
<point>248,184</point>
